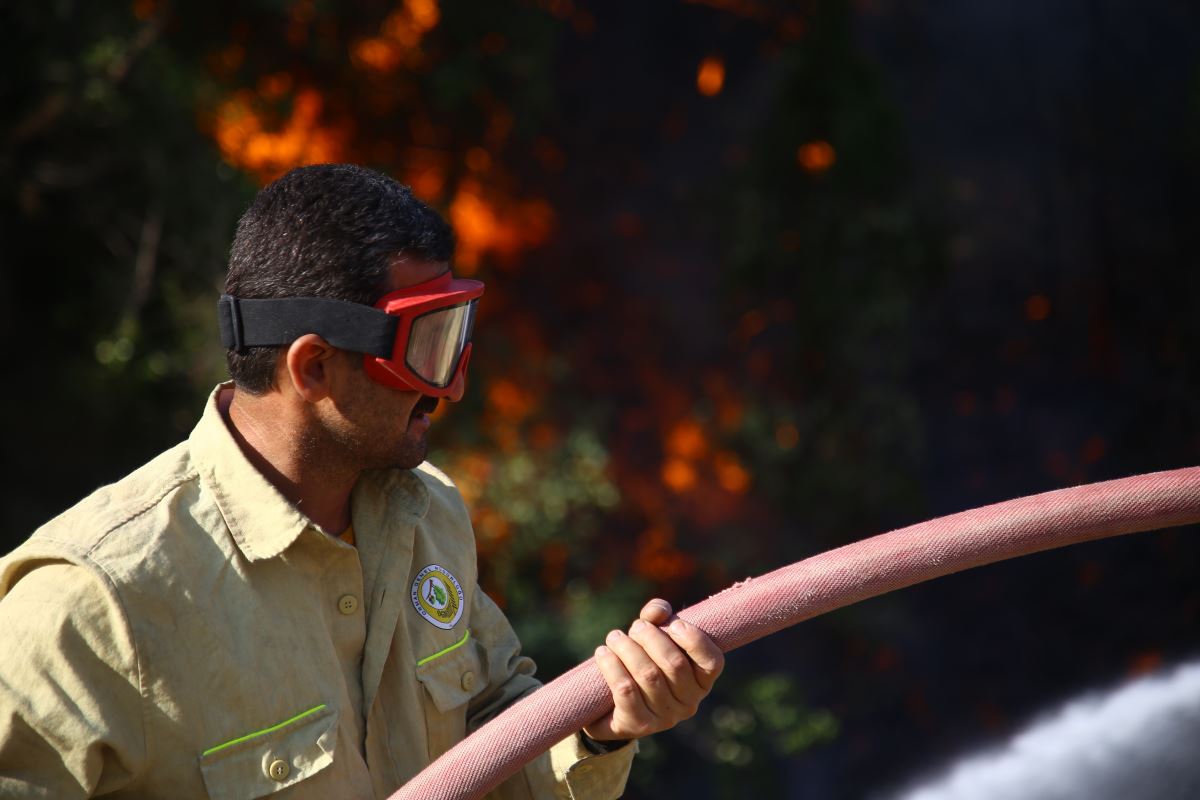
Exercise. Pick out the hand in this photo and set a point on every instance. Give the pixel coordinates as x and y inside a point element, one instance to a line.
<point>657,678</point>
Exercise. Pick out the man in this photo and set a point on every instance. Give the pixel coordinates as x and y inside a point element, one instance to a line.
<point>288,599</point>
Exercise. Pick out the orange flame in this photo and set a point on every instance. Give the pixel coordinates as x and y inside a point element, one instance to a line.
<point>710,76</point>
<point>679,475</point>
<point>658,559</point>
<point>686,440</point>
<point>816,156</point>
<point>732,476</point>
<point>482,229</point>
<point>509,401</point>
<point>301,139</point>
<point>376,53</point>
<point>425,171</point>
<point>399,37</point>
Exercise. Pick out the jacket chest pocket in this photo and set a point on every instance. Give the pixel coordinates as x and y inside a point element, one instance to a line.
<point>264,762</point>
<point>451,679</point>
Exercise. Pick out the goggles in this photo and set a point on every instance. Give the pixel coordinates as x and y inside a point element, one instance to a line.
<point>417,338</point>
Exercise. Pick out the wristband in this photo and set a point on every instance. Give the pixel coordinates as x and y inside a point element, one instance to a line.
<point>599,748</point>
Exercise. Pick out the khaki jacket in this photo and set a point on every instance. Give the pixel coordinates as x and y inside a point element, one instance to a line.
<point>187,632</point>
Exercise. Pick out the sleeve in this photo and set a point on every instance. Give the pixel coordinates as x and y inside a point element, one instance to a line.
<point>70,702</point>
<point>569,771</point>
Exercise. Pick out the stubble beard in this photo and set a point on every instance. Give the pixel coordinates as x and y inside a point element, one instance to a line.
<point>347,449</point>
<point>366,437</point>
<point>366,452</point>
<point>410,453</point>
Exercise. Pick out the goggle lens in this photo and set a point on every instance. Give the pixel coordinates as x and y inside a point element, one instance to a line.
<point>437,340</point>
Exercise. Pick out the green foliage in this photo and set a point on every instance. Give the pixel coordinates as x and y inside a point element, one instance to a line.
<point>765,716</point>
<point>835,260</point>
<point>115,214</point>
<point>748,728</point>
<point>556,496</point>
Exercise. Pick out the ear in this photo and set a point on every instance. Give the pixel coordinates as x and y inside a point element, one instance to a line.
<point>308,366</point>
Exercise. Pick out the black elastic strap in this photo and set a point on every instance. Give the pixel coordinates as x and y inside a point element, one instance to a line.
<point>350,326</point>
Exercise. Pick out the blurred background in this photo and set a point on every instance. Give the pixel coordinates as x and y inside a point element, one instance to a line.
<point>763,278</point>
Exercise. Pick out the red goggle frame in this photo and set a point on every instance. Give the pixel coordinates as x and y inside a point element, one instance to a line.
<point>432,345</point>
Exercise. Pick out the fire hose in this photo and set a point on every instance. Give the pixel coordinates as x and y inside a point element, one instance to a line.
<point>760,606</point>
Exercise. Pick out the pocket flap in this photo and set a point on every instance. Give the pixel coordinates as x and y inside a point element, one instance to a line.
<point>454,676</point>
<point>266,761</point>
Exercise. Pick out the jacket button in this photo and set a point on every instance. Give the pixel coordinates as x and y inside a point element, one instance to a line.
<point>348,604</point>
<point>468,680</point>
<point>278,770</point>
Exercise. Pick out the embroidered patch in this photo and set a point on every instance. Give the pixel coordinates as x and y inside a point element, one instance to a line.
<point>437,596</point>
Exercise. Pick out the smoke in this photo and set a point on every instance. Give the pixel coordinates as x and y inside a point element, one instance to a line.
<point>1139,741</point>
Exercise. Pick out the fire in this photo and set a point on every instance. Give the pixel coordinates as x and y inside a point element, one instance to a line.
<point>679,475</point>
<point>428,183</point>
<point>710,76</point>
<point>732,476</point>
<point>425,171</point>
<point>816,156</point>
<point>510,401</point>
<point>482,229</point>
<point>246,142</point>
<point>376,53</point>
<point>399,37</point>
<point>686,440</point>
<point>472,472</point>
<point>686,446</point>
<point>658,558</point>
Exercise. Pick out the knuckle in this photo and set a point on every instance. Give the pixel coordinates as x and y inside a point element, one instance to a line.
<point>650,676</point>
<point>677,663</point>
<point>624,689</point>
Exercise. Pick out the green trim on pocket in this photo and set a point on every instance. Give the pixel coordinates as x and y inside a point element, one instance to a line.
<point>271,729</point>
<point>441,653</point>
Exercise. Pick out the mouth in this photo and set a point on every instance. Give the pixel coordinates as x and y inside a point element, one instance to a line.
<point>423,408</point>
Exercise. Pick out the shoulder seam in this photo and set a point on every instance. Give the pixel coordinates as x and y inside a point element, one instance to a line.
<point>186,477</point>
<point>190,475</point>
<point>114,588</point>
<point>137,654</point>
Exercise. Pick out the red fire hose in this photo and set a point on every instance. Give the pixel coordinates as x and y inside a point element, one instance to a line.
<point>759,606</point>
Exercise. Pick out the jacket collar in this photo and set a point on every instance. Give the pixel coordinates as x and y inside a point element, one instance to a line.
<point>261,520</point>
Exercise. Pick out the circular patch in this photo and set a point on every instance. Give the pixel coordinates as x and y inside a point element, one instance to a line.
<point>437,596</point>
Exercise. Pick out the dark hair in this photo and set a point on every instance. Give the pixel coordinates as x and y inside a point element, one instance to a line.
<point>330,231</point>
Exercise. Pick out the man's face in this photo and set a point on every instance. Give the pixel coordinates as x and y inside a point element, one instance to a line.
<point>377,426</point>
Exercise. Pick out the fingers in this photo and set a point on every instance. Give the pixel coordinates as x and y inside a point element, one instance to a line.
<point>602,729</point>
<point>630,716</point>
<point>657,612</point>
<point>707,660</point>
<point>672,662</point>
<point>657,676</point>
<point>651,677</point>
